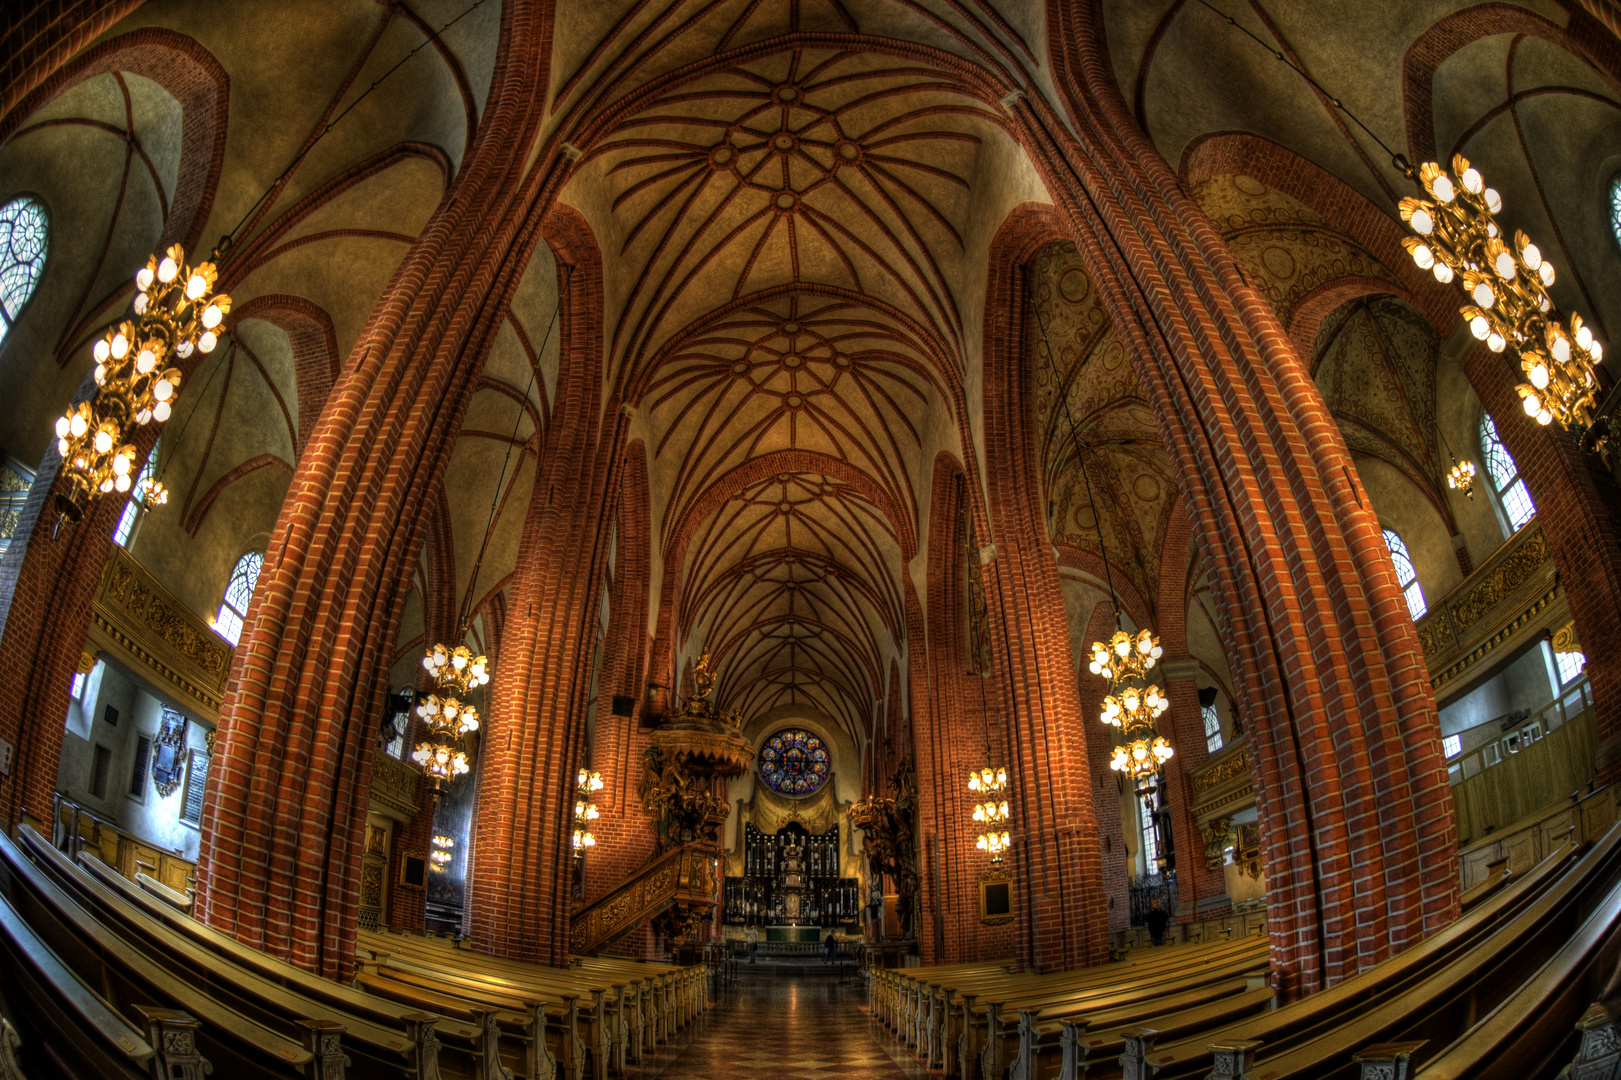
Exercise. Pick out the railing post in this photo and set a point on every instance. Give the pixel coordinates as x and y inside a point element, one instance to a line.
<point>1139,1044</point>
<point>173,1034</point>
<point>324,1040</point>
<point>1387,1061</point>
<point>1232,1058</point>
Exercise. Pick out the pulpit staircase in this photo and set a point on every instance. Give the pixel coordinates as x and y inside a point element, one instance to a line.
<point>672,890</point>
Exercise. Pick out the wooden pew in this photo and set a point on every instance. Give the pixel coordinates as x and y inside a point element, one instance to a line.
<point>1069,994</point>
<point>1043,1026</point>
<point>369,1007</point>
<point>70,1029</point>
<point>140,990</point>
<point>1544,896</point>
<point>429,968</point>
<point>382,1037</point>
<point>1092,1046</point>
<point>1536,959</point>
<point>640,1006</point>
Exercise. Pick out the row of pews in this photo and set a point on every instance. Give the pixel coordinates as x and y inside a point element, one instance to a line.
<point>1506,991</point>
<point>102,979</point>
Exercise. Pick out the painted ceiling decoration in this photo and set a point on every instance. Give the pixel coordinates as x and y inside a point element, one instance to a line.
<point>1094,388</point>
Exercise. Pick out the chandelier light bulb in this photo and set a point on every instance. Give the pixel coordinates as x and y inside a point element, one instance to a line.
<point>120,346</point>
<point>196,286</point>
<point>1443,273</point>
<point>78,425</point>
<point>1494,201</point>
<point>121,482</point>
<point>102,351</point>
<point>167,270</point>
<point>207,342</point>
<point>211,316</point>
<point>143,278</point>
<point>1422,222</point>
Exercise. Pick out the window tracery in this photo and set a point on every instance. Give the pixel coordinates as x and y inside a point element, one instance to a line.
<point>24,240</point>
<point>238,592</point>
<point>1406,574</point>
<point>795,762</point>
<point>1511,491</point>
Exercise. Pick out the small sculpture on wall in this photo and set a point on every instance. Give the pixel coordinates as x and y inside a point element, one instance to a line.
<point>169,752</point>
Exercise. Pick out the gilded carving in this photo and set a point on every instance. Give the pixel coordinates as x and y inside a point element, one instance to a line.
<point>371,886</point>
<point>394,784</point>
<point>9,520</point>
<point>1222,769</point>
<point>1218,837</point>
<point>178,631</point>
<point>137,599</point>
<point>1565,639</point>
<point>12,480</point>
<point>118,582</point>
<point>1519,565</point>
<point>376,840</point>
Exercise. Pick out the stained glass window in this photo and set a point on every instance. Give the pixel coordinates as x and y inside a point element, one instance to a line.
<point>1615,207</point>
<point>1511,490</point>
<point>228,623</point>
<point>24,236</point>
<point>794,762</point>
<point>1406,575</point>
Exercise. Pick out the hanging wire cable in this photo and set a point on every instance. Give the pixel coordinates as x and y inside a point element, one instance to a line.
<point>464,616</point>
<point>230,238</point>
<point>1399,161</point>
<point>174,447</point>
<point>1080,454</point>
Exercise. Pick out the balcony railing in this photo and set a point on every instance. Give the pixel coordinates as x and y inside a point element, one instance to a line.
<point>1512,597</point>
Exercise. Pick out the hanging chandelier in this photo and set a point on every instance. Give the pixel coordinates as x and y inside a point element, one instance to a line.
<point>989,786</point>
<point>1456,239</point>
<point>586,784</point>
<point>176,314</point>
<point>446,719</point>
<point>1132,703</point>
<point>442,852</point>
<point>1461,478</point>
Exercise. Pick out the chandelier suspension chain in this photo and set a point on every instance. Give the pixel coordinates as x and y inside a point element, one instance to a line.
<point>464,616</point>
<point>433,35</point>
<point>1398,160</point>
<point>1075,438</point>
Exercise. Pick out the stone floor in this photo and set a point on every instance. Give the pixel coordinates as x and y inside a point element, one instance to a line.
<point>773,1026</point>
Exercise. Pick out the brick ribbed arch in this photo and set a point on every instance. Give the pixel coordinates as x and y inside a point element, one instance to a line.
<point>1351,785</point>
<point>309,683</point>
<point>1063,924</point>
<point>1582,525</point>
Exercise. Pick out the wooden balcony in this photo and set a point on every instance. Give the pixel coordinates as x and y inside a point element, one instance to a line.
<point>1510,600</point>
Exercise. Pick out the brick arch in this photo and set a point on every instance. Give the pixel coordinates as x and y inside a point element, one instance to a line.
<point>1454,32</point>
<point>192,76</point>
<point>315,350</point>
<point>1063,926</point>
<point>1345,730</point>
<point>1132,602</point>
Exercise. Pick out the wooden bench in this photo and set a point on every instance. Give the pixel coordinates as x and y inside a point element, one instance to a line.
<point>1465,947</point>
<point>391,1041</point>
<point>142,991</point>
<point>71,1030</point>
<point>618,1008</point>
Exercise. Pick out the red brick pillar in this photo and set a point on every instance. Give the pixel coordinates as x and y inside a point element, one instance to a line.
<point>285,813</point>
<point>1056,845</point>
<point>523,861</point>
<point>1351,786</point>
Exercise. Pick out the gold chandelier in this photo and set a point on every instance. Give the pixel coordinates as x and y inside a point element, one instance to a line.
<point>457,672</point>
<point>989,786</point>
<point>586,783</point>
<point>1133,704</point>
<point>442,852</point>
<point>1456,239</point>
<point>176,314</point>
<point>1461,477</point>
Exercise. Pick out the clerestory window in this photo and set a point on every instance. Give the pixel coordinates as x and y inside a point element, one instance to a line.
<point>238,592</point>
<point>1406,575</point>
<point>24,239</point>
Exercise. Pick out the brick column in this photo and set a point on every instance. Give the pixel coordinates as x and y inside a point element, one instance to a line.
<point>1351,786</point>
<point>1057,849</point>
<point>523,860</point>
<point>285,812</point>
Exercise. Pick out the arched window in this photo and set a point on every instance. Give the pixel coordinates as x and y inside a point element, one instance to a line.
<point>124,534</point>
<point>1406,575</point>
<point>1511,490</point>
<point>24,236</point>
<point>234,609</point>
<point>1615,207</point>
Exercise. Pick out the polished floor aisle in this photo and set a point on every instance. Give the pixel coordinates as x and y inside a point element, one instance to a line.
<point>772,1026</point>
